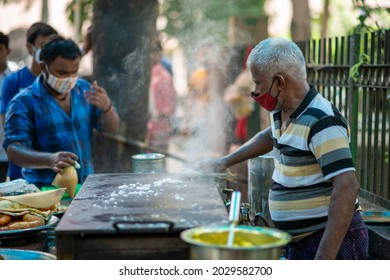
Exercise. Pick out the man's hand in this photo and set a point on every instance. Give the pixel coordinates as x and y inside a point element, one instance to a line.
<point>212,165</point>
<point>98,97</point>
<point>60,160</point>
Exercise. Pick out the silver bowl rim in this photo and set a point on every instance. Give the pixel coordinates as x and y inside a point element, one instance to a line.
<point>29,254</point>
<point>283,237</point>
<point>149,156</point>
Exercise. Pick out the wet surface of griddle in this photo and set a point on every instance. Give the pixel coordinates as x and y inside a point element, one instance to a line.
<point>106,200</point>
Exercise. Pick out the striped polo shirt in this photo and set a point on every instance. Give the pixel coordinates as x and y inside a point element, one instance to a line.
<point>313,148</point>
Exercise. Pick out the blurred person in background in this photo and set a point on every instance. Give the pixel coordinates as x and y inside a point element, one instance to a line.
<point>87,43</point>
<point>196,103</point>
<point>162,102</point>
<point>241,105</point>
<point>205,113</point>
<point>4,52</point>
<point>4,72</point>
<point>37,35</point>
<point>167,63</point>
<point>49,125</point>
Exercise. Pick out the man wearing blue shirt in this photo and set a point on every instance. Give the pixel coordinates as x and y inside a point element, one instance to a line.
<point>4,72</point>
<point>37,35</point>
<point>49,125</point>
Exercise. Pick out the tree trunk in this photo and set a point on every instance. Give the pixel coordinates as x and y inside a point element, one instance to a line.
<point>300,23</point>
<point>324,20</point>
<point>123,32</point>
<point>45,11</point>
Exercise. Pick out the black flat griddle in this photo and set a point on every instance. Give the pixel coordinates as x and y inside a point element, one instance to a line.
<point>133,212</point>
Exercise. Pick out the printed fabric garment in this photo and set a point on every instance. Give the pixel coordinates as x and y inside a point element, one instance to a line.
<point>162,106</point>
<point>354,246</point>
<point>12,85</point>
<point>241,131</point>
<point>312,149</point>
<point>37,121</point>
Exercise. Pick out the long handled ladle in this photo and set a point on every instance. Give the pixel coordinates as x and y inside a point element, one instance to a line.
<point>234,215</point>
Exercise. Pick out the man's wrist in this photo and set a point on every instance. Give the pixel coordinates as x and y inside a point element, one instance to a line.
<point>108,108</point>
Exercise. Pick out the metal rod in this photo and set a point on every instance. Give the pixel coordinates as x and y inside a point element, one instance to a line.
<point>131,142</point>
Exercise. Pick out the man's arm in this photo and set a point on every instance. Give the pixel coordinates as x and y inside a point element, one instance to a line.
<point>98,97</point>
<point>110,121</point>
<point>28,158</point>
<point>341,209</point>
<point>259,144</point>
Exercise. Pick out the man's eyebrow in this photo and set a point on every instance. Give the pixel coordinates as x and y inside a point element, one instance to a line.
<point>67,72</point>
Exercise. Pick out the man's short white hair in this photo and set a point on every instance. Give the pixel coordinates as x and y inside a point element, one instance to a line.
<point>278,55</point>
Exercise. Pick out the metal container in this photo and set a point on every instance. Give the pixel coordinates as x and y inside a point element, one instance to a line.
<point>16,254</point>
<point>260,171</point>
<point>148,163</point>
<point>250,243</point>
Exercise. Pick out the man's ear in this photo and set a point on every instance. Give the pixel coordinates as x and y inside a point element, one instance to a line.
<point>42,66</point>
<point>30,48</point>
<point>8,50</point>
<point>281,82</point>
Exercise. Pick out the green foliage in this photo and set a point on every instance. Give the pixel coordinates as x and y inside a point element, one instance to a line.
<point>354,72</point>
<point>85,14</point>
<point>367,22</point>
<point>201,17</point>
<point>185,18</point>
<point>10,1</point>
<point>27,3</point>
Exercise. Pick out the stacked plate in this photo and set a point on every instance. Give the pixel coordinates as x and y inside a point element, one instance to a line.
<point>15,254</point>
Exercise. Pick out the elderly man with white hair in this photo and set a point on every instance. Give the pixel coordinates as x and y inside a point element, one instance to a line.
<point>314,191</point>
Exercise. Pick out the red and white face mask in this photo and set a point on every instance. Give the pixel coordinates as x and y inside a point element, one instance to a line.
<point>266,100</point>
<point>61,85</point>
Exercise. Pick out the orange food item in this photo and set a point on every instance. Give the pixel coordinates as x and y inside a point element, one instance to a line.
<point>29,221</point>
<point>67,179</point>
<point>4,219</point>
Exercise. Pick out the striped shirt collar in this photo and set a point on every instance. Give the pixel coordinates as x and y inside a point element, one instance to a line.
<point>38,88</point>
<point>305,103</point>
